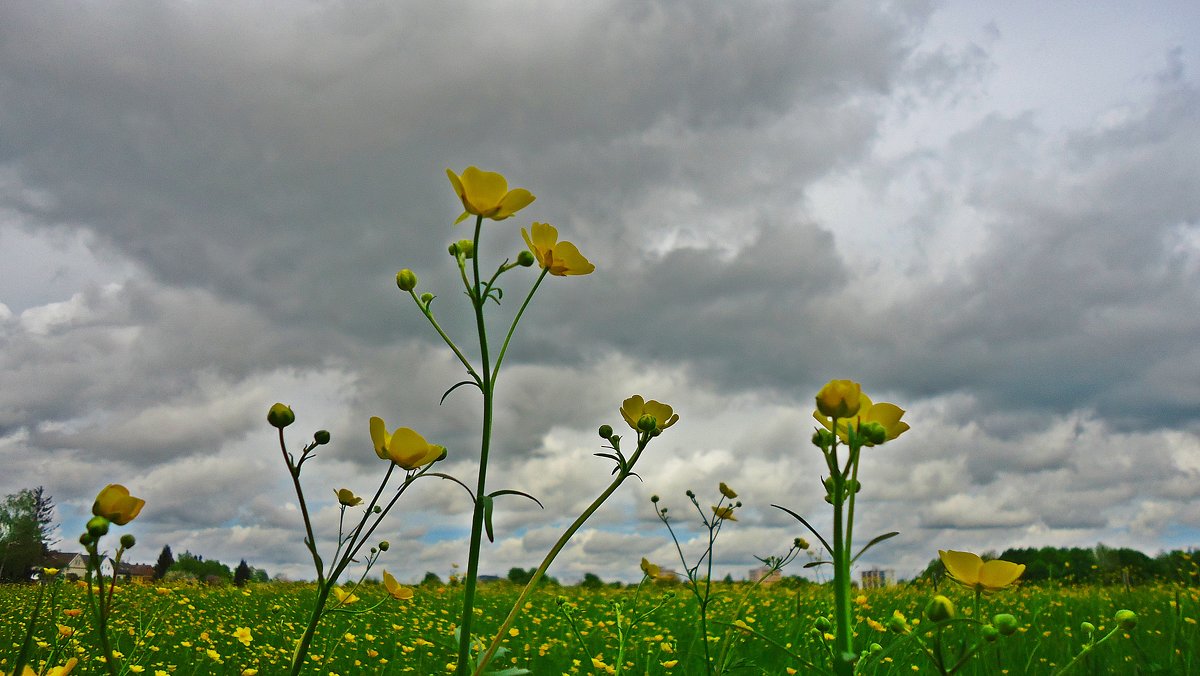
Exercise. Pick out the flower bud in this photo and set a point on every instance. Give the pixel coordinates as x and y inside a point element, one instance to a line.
<point>647,423</point>
<point>128,541</point>
<point>406,279</point>
<point>384,545</point>
<point>1087,628</point>
<point>654,499</point>
<point>873,433</point>
<point>87,540</point>
<point>426,299</point>
<point>525,258</point>
<point>822,624</point>
<point>97,527</point>
<point>377,509</point>
<point>990,633</point>
<point>822,438</point>
<point>281,416</point>
<point>465,248</point>
<point>874,648</point>
<point>1127,619</point>
<point>939,609</point>
<point>839,399</point>
<point>321,437</point>
<point>897,623</point>
<point>800,543</point>
<point>606,431</point>
<point>690,493</point>
<point>1005,623</point>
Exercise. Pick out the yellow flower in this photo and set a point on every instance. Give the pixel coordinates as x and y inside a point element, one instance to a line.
<point>66,631</point>
<point>883,414</point>
<point>117,505</point>
<point>486,193</point>
<point>344,598</point>
<point>649,569</point>
<point>725,513</point>
<point>404,447</point>
<point>243,634</point>
<point>727,491</point>
<point>395,589</point>
<point>558,258</point>
<point>53,671</point>
<point>347,497</point>
<point>971,571</point>
<point>669,664</point>
<point>839,398</point>
<point>50,572</point>
<point>633,408</point>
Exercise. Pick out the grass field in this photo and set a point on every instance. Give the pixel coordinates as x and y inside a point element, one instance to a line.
<point>195,630</point>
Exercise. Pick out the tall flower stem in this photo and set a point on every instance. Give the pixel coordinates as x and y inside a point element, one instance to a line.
<point>624,472</point>
<point>843,530</point>
<point>488,387</point>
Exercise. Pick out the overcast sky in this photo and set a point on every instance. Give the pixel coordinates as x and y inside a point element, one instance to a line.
<point>987,213</point>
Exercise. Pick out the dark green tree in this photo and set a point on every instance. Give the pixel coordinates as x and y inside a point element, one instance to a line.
<point>431,578</point>
<point>203,570</point>
<point>591,581</point>
<point>165,560</point>
<point>242,574</point>
<point>26,521</point>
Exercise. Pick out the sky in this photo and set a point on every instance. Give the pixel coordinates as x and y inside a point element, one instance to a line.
<point>986,213</point>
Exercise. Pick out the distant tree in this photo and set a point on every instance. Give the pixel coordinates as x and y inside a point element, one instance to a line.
<point>26,521</point>
<point>165,560</point>
<point>242,574</point>
<point>728,578</point>
<point>200,568</point>
<point>431,578</point>
<point>259,575</point>
<point>591,581</point>
<point>520,576</point>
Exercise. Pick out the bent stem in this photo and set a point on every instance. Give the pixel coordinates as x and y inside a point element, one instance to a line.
<point>624,472</point>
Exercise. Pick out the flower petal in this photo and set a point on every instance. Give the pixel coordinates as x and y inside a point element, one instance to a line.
<point>997,574</point>
<point>379,436</point>
<point>962,566</point>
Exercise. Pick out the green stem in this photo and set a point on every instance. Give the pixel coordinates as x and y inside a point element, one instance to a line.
<point>519,604</point>
<point>512,328</point>
<point>488,388</point>
<point>844,639</point>
<point>313,620</point>
<point>438,327</point>
<point>23,655</point>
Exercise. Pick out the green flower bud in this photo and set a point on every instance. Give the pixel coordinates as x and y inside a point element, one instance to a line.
<point>406,279</point>
<point>606,431</point>
<point>373,550</point>
<point>426,299</point>
<point>874,648</point>
<point>466,248</point>
<point>990,633</point>
<point>281,416</point>
<point>822,438</point>
<point>1127,619</point>
<point>897,623</point>
<point>97,527</point>
<point>690,493</point>
<point>86,540</point>
<point>453,248</point>
<point>647,423</point>
<point>1087,628</point>
<point>377,509</point>
<point>822,624</point>
<point>321,437</point>
<point>939,609</point>
<point>873,432</point>
<point>654,499</point>
<point>1006,624</point>
<point>525,258</point>
<point>128,541</point>
<point>384,545</point>
<point>800,543</point>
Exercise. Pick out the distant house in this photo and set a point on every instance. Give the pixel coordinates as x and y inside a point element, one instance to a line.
<point>878,578</point>
<point>73,566</point>
<point>766,575</point>
<point>69,564</point>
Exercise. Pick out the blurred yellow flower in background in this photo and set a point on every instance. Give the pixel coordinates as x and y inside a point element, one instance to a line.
<point>116,504</point>
<point>971,571</point>
<point>486,193</point>
<point>558,258</point>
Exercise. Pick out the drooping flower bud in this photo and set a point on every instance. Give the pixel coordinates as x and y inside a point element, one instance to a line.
<point>465,248</point>
<point>1127,619</point>
<point>426,299</point>
<point>406,279</point>
<point>280,416</point>
<point>321,437</point>
<point>990,633</point>
<point>128,541</point>
<point>1005,623</point>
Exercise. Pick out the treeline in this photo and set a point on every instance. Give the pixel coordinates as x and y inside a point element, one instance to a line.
<point>195,568</point>
<point>1097,565</point>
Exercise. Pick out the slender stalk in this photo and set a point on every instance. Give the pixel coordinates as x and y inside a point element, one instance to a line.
<point>488,387</point>
<point>313,620</point>
<point>844,639</point>
<point>519,604</point>
<point>513,327</point>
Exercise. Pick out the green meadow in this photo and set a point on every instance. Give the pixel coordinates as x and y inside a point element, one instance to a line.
<point>202,630</point>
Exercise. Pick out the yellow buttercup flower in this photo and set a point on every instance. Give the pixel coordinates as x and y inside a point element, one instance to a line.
<point>884,414</point>
<point>558,258</point>
<point>344,597</point>
<point>486,193</point>
<point>404,447</point>
<point>839,398</point>
<point>973,572</point>
<point>649,569</point>
<point>633,408</point>
<point>243,634</point>
<point>725,513</point>
<point>395,589</point>
<point>117,505</point>
<point>726,491</point>
<point>347,497</point>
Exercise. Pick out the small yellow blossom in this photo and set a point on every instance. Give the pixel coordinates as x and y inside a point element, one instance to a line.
<point>971,571</point>
<point>116,504</point>
<point>347,497</point>
<point>726,490</point>
<point>395,589</point>
<point>839,398</point>
<point>404,447</point>
<point>669,664</point>
<point>633,408</point>
<point>243,634</point>
<point>725,513</point>
<point>65,631</point>
<point>486,193</point>
<point>344,598</point>
<point>649,569</point>
<point>884,414</point>
<point>558,258</point>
